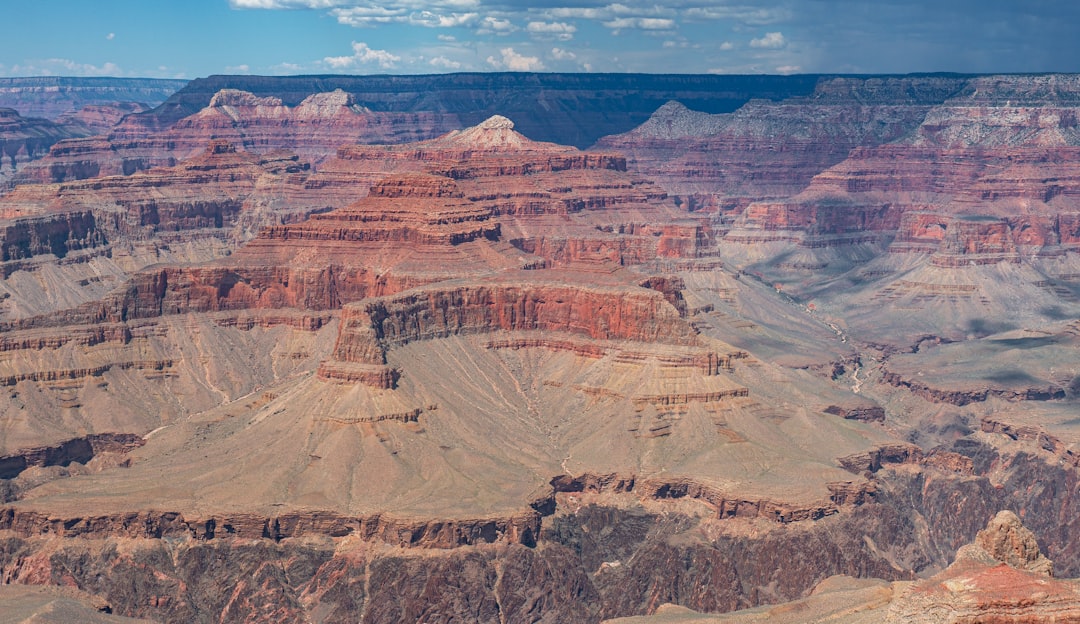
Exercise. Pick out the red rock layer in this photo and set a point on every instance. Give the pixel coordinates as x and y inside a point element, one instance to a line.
<point>220,193</point>
<point>373,326</point>
<point>314,129</point>
<point>763,150</point>
<point>25,139</point>
<point>523,528</point>
<point>1000,578</point>
<point>972,184</point>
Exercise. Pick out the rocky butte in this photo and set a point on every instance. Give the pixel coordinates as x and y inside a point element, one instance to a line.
<point>275,350</point>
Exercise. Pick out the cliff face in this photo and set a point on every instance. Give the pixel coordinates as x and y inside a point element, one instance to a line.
<point>764,149</point>
<point>24,139</point>
<point>489,378</point>
<point>373,326</point>
<point>313,128</point>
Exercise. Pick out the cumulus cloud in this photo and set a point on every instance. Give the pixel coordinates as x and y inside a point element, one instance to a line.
<point>442,62</point>
<point>495,25</point>
<point>644,23</point>
<point>362,55</point>
<point>110,36</point>
<point>435,20</point>
<point>562,55</point>
<point>771,41</point>
<point>752,16</point>
<point>893,36</point>
<point>288,68</point>
<point>727,45</point>
<point>360,17</point>
<point>284,4</point>
<point>63,67</point>
<point>579,13</point>
<point>514,61</point>
<point>559,30</point>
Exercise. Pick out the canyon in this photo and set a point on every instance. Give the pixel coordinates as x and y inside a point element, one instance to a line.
<point>372,349</point>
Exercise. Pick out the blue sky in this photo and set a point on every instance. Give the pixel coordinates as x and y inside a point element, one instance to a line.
<point>192,38</point>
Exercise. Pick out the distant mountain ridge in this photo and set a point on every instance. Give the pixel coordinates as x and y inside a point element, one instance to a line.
<point>69,94</point>
<point>571,109</point>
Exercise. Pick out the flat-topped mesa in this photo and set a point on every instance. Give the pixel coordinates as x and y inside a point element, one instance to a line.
<point>235,98</point>
<point>590,313</point>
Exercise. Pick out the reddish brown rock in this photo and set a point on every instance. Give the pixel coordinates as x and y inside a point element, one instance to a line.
<point>518,303</point>
<point>1001,577</point>
<point>763,150</point>
<point>221,194</point>
<point>313,129</point>
<point>24,139</point>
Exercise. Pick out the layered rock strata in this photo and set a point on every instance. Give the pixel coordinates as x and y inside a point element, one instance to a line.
<point>24,139</point>
<point>313,129</point>
<point>546,309</point>
<point>53,96</point>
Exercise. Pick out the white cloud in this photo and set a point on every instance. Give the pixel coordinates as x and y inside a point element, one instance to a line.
<point>514,61</point>
<point>560,30</point>
<point>284,4</point>
<point>788,69</point>
<point>644,23</point>
<point>580,13</point>
<point>752,16</point>
<point>110,36</point>
<point>495,25</point>
<point>362,55</point>
<point>288,68</point>
<point>444,63</point>
<point>447,38</point>
<point>360,17</point>
<point>238,69</point>
<point>562,55</point>
<point>64,67</point>
<point>727,45</point>
<point>435,20</point>
<point>772,41</point>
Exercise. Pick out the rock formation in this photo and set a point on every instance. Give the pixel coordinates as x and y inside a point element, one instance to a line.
<point>1000,577</point>
<point>312,129</point>
<point>765,149</point>
<point>589,105</point>
<point>482,377</point>
<point>24,139</point>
